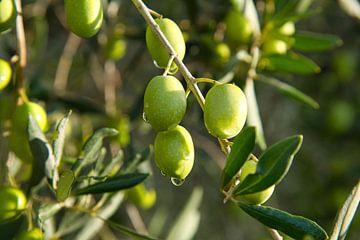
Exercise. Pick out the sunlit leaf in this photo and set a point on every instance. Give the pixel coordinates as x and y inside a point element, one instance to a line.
<point>294,226</point>
<point>243,145</point>
<point>64,185</point>
<point>272,167</point>
<point>289,91</point>
<point>41,149</point>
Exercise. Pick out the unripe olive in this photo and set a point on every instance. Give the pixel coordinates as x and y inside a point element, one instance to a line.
<point>274,46</point>
<point>225,110</point>
<point>5,73</point>
<point>174,152</point>
<point>33,234</point>
<point>174,35</point>
<point>12,202</point>
<point>84,17</point>
<point>254,198</point>
<point>287,29</point>
<point>164,102</point>
<point>7,14</point>
<point>21,116</point>
<point>141,196</point>
<point>115,48</point>
<point>19,144</point>
<point>238,28</point>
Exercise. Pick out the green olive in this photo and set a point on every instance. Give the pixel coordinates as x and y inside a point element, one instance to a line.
<point>19,142</point>
<point>84,17</point>
<point>164,102</point>
<point>12,203</point>
<point>5,73</point>
<point>174,152</point>
<point>287,29</point>
<point>21,116</point>
<point>33,234</point>
<point>141,196</point>
<point>274,46</point>
<point>254,198</point>
<point>225,110</point>
<point>115,48</point>
<point>238,28</point>
<point>174,35</point>
<point>7,14</point>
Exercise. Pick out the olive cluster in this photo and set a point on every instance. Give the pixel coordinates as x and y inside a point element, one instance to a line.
<point>225,108</point>
<point>274,39</point>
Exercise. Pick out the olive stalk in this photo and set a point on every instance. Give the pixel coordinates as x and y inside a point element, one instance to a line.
<point>189,78</point>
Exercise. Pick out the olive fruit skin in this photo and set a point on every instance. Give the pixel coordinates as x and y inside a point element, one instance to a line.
<point>5,73</point>
<point>225,110</point>
<point>254,198</point>
<point>164,102</point>
<point>21,116</point>
<point>174,35</point>
<point>7,14</point>
<point>33,234</point>
<point>84,17</point>
<point>174,152</point>
<point>238,28</point>
<point>141,196</point>
<point>287,29</point>
<point>12,202</point>
<point>274,46</point>
<point>19,135</point>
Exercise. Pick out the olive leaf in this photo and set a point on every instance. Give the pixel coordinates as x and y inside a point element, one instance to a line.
<point>92,147</point>
<point>41,149</point>
<point>130,165</point>
<point>243,145</point>
<point>289,91</point>
<point>113,184</point>
<point>272,167</point>
<point>292,63</point>
<point>315,42</point>
<point>294,226</point>
<point>64,185</point>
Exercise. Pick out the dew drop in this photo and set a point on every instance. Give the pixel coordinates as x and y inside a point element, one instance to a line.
<point>162,173</point>
<point>177,181</point>
<point>144,117</point>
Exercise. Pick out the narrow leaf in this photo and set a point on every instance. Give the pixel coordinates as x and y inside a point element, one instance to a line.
<point>253,118</point>
<point>48,210</point>
<point>243,145</point>
<point>315,42</point>
<point>41,149</point>
<point>292,63</point>
<point>127,231</point>
<point>91,149</point>
<point>289,91</point>
<point>346,214</point>
<point>113,184</point>
<point>64,186</point>
<point>294,226</point>
<point>187,223</point>
<point>131,165</point>
<point>272,167</point>
<point>59,141</point>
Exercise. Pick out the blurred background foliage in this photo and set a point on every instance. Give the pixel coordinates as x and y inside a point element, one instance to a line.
<point>105,90</point>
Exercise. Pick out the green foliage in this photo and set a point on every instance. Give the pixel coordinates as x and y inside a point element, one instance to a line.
<point>294,226</point>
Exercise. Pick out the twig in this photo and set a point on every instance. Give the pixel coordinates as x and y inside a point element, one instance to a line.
<point>21,45</point>
<point>63,69</point>
<point>275,235</point>
<point>136,219</point>
<point>189,78</point>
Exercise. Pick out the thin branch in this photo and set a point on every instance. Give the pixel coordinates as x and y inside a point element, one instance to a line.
<point>21,45</point>
<point>66,59</point>
<point>189,78</point>
<point>275,234</point>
